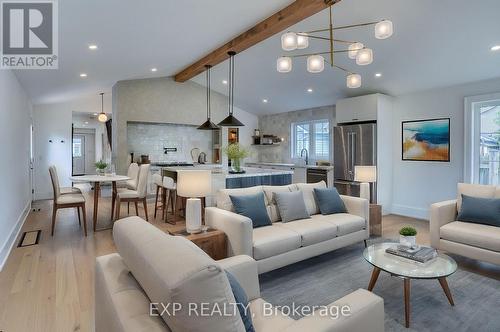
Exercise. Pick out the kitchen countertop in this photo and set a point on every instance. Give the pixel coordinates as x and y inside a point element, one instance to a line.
<point>217,169</point>
<point>292,165</point>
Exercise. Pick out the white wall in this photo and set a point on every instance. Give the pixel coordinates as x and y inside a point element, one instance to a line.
<point>162,100</point>
<point>418,184</point>
<point>53,122</point>
<point>15,195</point>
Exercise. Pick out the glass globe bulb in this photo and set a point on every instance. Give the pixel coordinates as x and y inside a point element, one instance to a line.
<point>353,50</point>
<point>289,41</point>
<point>383,29</point>
<point>302,41</point>
<point>284,64</point>
<point>364,57</point>
<point>353,81</point>
<point>315,64</point>
<point>102,117</point>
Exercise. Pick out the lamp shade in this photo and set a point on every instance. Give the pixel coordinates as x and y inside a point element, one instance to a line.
<point>289,41</point>
<point>383,29</point>
<point>353,81</point>
<point>194,183</point>
<point>365,173</point>
<point>302,41</point>
<point>284,64</point>
<point>353,50</point>
<point>364,57</point>
<point>315,63</point>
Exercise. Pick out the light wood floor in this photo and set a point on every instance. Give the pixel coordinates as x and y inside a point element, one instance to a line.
<point>50,286</point>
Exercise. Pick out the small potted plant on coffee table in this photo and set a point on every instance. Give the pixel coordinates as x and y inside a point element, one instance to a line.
<point>407,236</point>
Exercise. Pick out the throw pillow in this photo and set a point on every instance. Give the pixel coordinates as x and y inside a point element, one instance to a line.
<point>253,207</point>
<point>241,302</point>
<point>291,205</point>
<point>480,210</point>
<point>329,201</point>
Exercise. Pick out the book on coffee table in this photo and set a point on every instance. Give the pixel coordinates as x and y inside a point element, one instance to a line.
<point>422,254</point>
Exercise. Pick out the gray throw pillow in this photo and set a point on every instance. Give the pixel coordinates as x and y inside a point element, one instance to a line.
<point>480,210</point>
<point>291,205</point>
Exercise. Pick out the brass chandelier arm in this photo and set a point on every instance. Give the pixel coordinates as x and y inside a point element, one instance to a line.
<point>320,53</point>
<point>343,27</point>
<point>326,38</point>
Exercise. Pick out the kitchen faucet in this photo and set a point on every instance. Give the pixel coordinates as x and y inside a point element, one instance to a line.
<point>307,155</point>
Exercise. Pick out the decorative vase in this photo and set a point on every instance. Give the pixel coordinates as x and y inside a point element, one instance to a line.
<point>408,241</point>
<point>99,171</point>
<point>236,165</point>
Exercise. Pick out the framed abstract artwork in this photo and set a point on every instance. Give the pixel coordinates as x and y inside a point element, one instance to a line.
<point>426,140</point>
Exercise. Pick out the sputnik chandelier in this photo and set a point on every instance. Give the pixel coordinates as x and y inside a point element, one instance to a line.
<point>363,55</point>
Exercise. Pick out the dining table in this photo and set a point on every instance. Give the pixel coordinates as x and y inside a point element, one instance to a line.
<point>97,180</point>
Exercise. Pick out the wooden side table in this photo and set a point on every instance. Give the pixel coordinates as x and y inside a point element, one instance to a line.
<point>375,219</point>
<point>213,242</point>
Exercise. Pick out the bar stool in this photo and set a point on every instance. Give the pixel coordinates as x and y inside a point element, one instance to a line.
<point>158,182</point>
<point>170,194</point>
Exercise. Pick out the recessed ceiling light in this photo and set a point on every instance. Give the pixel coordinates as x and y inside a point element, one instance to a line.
<point>310,90</point>
<point>378,75</point>
<point>83,75</point>
<point>154,69</point>
<point>264,101</point>
<point>495,48</point>
<point>86,122</point>
<point>224,82</point>
<point>95,114</point>
<point>92,47</point>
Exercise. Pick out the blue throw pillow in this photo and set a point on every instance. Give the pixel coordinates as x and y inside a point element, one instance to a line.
<point>329,201</point>
<point>253,207</point>
<point>242,302</point>
<point>480,210</point>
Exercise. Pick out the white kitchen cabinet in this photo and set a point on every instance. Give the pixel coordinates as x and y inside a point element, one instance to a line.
<point>357,109</point>
<point>299,175</point>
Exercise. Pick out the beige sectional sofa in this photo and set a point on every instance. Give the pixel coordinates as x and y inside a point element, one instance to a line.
<point>477,241</point>
<point>281,243</point>
<point>154,267</point>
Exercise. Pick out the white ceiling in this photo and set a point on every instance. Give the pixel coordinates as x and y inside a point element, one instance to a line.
<point>436,43</point>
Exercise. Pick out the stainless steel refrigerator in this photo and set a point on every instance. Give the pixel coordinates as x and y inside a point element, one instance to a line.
<point>353,145</point>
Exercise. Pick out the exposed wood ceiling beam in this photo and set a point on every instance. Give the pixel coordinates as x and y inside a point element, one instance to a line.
<point>285,18</point>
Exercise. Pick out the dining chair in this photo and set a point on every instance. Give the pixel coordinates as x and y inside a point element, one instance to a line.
<point>69,198</point>
<point>134,196</point>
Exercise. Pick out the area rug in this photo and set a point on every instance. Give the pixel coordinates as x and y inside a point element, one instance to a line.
<point>322,280</point>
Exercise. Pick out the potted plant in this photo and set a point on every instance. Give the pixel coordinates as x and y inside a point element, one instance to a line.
<point>100,167</point>
<point>236,153</point>
<point>407,236</point>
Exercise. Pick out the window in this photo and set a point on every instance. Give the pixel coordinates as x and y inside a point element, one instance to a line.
<point>77,147</point>
<point>489,144</point>
<point>314,136</point>
<point>482,139</point>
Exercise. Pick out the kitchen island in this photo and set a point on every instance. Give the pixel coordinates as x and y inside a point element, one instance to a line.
<point>251,177</point>
<point>221,178</point>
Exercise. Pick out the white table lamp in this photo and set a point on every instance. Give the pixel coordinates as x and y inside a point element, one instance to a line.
<point>365,175</point>
<point>194,184</point>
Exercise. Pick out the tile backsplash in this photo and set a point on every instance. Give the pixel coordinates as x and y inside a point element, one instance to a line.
<point>151,138</point>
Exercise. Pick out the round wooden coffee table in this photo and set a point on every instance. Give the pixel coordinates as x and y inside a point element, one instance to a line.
<point>438,268</point>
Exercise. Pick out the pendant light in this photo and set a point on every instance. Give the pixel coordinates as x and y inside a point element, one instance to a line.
<point>102,117</point>
<point>208,125</point>
<point>230,120</point>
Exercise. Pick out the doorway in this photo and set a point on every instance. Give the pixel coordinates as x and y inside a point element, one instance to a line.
<point>83,151</point>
